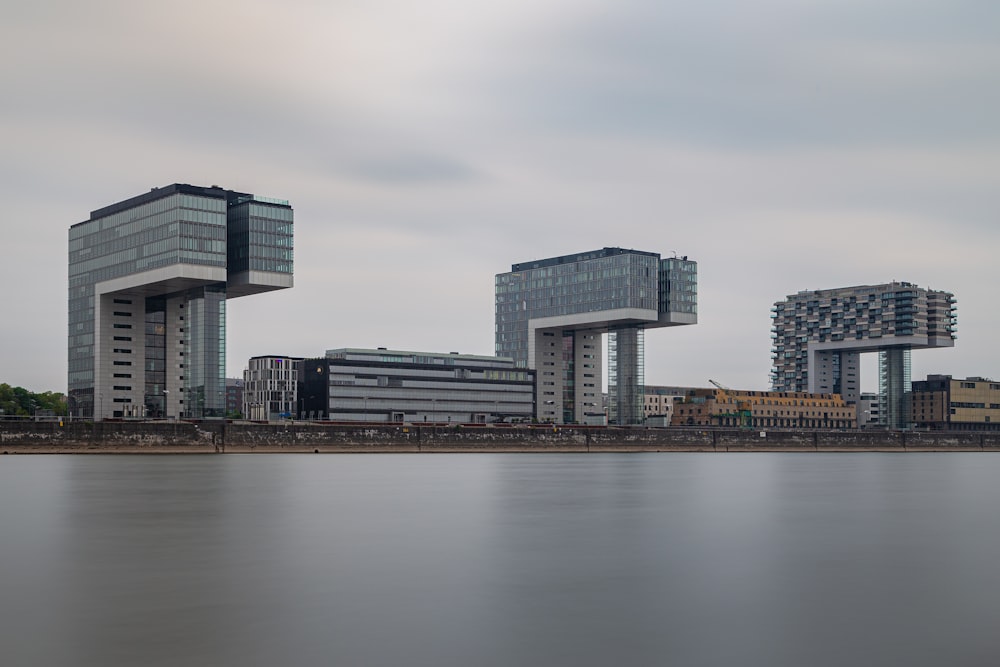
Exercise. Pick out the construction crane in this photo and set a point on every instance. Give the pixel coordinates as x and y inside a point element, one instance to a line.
<point>743,414</point>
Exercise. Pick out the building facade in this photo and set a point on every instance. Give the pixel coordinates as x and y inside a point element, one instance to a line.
<point>941,403</point>
<point>818,337</point>
<point>148,282</point>
<point>234,396</point>
<point>270,387</point>
<point>551,315</point>
<point>384,385</point>
<point>659,403</point>
<point>868,411</point>
<point>764,409</point>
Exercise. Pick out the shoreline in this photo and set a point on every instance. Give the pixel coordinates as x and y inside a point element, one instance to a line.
<point>221,437</point>
<point>113,450</point>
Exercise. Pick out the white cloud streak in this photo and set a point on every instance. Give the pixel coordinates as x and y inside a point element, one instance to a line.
<point>427,146</point>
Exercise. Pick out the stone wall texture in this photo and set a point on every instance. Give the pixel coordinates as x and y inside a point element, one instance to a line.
<point>21,437</point>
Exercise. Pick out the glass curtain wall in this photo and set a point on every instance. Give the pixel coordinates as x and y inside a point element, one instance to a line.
<point>626,376</point>
<point>894,385</point>
<point>205,353</point>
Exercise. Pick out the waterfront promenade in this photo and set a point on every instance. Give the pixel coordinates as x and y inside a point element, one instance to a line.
<point>132,437</point>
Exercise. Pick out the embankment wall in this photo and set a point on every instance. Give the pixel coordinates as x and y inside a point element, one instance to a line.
<point>231,437</point>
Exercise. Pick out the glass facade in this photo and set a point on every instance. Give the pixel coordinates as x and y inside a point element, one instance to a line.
<point>894,383</point>
<point>175,316</point>
<point>602,283</point>
<point>594,283</point>
<point>260,235</point>
<point>204,348</point>
<point>395,386</point>
<point>678,286</point>
<point>626,376</point>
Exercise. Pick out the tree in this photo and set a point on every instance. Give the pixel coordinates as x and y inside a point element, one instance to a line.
<point>19,401</point>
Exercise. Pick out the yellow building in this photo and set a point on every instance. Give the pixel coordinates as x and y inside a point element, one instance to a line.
<point>945,404</point>
<point>763,409</point>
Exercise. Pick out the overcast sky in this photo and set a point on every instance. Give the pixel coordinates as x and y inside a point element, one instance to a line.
<point>426,146</point>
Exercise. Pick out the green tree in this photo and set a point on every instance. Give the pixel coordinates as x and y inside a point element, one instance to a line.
<point>18,401</point>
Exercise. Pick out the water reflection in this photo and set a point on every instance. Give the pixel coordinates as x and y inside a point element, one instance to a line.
<point>749,559</point>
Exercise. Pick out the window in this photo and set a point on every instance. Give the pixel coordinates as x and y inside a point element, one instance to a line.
<point>122,313</point>
<point>122,326</point>
<point>127,302</point>
<point>122,387</point>
<point>123,375</point>
<point>122,363</point>
<point>123,350</point>
<point>127,339</point>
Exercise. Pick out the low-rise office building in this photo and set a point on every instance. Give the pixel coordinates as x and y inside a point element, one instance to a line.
<point>942,403</point>
<point>270,386</point>
<point>234,396</point>
<point>869,410</point>
<point>763,409</point>
<point>384,385</point>
<point>658,405</point>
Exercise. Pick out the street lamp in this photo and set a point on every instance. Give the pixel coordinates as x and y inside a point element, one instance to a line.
<point>101,407</point>
<point>166,398</point>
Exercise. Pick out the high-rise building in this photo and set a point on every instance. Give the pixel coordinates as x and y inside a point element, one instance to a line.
<point>818,337</point>
<point>148,283</point>
<point>551,314</point>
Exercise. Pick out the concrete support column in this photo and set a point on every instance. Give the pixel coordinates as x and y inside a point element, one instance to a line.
<point>548,365</point>
<point>587,377</point>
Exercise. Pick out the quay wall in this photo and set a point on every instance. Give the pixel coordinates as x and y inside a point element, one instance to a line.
<point>21,437</point>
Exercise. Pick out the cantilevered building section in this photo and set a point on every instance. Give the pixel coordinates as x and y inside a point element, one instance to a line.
<point>819,336</point>
<point>148,283</point>
<point>551,313</point>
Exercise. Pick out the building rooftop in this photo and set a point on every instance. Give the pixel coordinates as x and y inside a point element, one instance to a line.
<point>579,257</point>
<point>344,352</point>
<point>179,188</point>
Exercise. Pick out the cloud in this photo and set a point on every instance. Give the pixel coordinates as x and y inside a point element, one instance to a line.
<point>427,146</point>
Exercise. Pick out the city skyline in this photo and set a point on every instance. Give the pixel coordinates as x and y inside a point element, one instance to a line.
<point>426,148</point>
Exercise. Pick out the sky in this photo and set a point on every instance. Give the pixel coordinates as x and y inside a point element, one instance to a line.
<point>427,146</point>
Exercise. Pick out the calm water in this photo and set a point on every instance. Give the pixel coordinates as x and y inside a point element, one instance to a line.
<point>479,559</point>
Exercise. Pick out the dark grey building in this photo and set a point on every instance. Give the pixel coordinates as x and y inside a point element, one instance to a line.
<point>551,314</point>
<point>384,385</point>
<point>819,335</point>
<point>148,282</point>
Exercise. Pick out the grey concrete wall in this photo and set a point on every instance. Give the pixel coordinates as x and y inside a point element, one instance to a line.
<point>210,437</point>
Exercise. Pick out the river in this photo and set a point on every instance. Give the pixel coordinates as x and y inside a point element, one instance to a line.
<point>501,559</point>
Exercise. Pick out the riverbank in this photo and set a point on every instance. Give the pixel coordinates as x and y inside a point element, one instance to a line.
<point>308,437</point>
